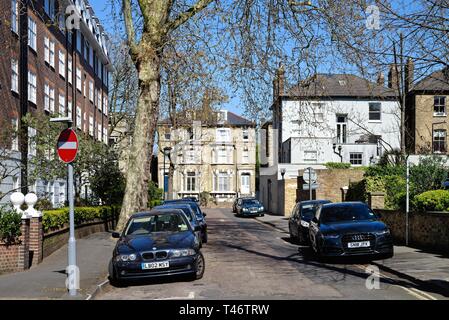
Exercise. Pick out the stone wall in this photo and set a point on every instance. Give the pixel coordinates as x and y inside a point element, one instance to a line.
<point>426,230</point>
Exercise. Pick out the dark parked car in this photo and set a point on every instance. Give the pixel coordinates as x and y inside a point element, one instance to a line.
<point>349,229</point>
<point>201,216</point>
<point>157,243</point>
<point>188,211</point>
<point>302,214</point>
<point>250,208</point>
<point>238,201</point>
<point>190,199</point>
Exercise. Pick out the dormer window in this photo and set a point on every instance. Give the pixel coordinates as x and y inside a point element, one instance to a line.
<point>342,82</point>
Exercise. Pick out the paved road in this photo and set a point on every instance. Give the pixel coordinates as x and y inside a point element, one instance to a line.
<point>246,259</point>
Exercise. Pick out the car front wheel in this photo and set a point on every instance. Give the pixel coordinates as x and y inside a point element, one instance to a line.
<point>199,267</point>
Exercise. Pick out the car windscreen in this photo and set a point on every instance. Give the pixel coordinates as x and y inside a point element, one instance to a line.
<point>251,203</point>
<point>167,222</point>
<point>336,214</point>
<point>308,211</point>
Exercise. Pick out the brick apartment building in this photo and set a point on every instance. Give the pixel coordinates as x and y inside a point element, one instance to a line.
<point>47,68</point>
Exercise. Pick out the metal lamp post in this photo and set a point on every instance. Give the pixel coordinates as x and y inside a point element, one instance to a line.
<point>165,152</point>
<point>340,148</point>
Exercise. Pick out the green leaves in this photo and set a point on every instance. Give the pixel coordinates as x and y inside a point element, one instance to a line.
<point>10,222</point>
<point>436,200</point>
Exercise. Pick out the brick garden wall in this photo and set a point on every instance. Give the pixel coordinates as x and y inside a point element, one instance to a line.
<point>427,230</point>
<point>330,184</point>
<point>55,240</point>
<point>9,258</point>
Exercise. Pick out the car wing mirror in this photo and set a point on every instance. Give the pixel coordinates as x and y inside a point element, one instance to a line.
<point>116,235</point>
<point>204,214</point>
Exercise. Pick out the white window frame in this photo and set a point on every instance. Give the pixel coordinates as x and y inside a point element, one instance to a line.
<point>47,97</point>
<point>31,142</point>
<point>91,125</point>
<point>223,182</point>
<point>342,129</point>
<point>15,16</point>
<point>105,135</point>
<point>371,113</point>
<point>440,104</point>
<point>15,136</point>
<point>359,159</point>
<point>15,75</point>
<point>99,132</point>
<point>310,156</point>
<point>61,66</point>
<point>245,156</point>
<point>32,87</point>
<point>69,108</point>
<point>78,118</point>
<point>32,34</point>
<point>223,135</point>
<point>190,181</point>
<point>52,99</point>
<point>91,91</point>
<point>61,101</point>
<point>79,84</point>
<point>69,70</point>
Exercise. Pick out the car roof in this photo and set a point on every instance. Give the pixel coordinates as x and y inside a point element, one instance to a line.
<point>314,202</point>
<point>173,205</point>
<point>344,204</point>
<point>155,212</point>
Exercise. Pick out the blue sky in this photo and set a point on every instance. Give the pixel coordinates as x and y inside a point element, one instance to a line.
<point>102,10</point>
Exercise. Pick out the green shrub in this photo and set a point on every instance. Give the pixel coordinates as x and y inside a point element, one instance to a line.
<point>155,203</point>
<point>10,222</point>
<point>56,219</point>
<point>337,165</point>
<point>436,200</point>
<point>43,204</point>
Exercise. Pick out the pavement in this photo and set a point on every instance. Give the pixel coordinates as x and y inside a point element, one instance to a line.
<point>46,281</point>
<point>425,268</point>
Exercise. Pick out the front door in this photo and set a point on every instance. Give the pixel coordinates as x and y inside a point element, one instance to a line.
<point>245,184</point>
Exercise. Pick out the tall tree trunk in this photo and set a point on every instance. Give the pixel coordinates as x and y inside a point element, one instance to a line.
<point>138,175</point>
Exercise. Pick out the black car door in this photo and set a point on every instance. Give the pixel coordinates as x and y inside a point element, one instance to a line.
<point>293,221</point>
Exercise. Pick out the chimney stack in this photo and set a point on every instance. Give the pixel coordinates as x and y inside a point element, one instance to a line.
<point>279,82</point>
<point>381,79</point>
<point>393,76</point>
<point>409,74</point>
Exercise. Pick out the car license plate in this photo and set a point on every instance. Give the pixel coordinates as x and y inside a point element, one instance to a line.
<point>155,265</point>
<point>364,244</point>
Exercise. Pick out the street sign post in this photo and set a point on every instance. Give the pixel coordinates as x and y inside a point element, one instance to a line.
<point>67,150</point>
<point>310,177</point>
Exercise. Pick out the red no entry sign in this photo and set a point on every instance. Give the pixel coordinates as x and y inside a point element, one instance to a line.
<point>67,145</point>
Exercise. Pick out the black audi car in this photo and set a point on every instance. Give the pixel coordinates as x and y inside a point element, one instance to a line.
<point>157,243</point>
<point>200,215</point>
<point>302,214</point>
<point>250,208</point>
<point>349,229</point>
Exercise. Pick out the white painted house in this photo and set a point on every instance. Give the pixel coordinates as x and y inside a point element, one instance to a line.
<point>345,112</point>
<point>325,118</point>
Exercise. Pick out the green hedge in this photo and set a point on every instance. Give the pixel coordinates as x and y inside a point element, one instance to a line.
<point>437,200</point>
<point>10,223</point>
<point>337,165</point>
<point>53,220</point>
<point>155,203</point>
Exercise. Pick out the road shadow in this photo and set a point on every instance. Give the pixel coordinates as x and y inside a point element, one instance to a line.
<point>150,281</point>
<point>306,257</point>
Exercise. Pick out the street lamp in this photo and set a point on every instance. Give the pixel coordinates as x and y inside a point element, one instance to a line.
<point>340,148</point>
<point>283,171</point>
<point>166,152</point>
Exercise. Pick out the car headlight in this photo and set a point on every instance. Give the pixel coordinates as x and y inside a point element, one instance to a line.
<point>383,232</point>
<point>261,209</point>
<point>126,257</point>
<point>183,253</point>
<point>305,224</point>
<point>245,209</point>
